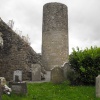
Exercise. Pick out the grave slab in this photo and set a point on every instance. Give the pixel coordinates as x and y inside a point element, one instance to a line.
<point>18,87</point>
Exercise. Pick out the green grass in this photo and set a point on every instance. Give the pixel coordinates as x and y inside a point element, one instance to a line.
<point>49,91</point>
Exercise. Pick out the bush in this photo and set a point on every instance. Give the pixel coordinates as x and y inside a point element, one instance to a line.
<point>86,63</point>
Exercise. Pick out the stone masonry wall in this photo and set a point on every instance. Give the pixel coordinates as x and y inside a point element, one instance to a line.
<point>15,54</point>
<point>55,35</point>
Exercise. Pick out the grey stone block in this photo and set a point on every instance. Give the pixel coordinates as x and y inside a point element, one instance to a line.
<point>57,75</point>
<point>66,68</point>
<point>98,86</point>
<point>0,91</point>
<point>18,88</point>
<point>36,72</point>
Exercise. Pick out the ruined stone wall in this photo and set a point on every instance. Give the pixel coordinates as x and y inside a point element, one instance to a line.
<point>55,35</point>
<point>15,54</point>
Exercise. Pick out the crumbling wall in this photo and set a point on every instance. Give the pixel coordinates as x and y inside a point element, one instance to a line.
<point>15,54</point>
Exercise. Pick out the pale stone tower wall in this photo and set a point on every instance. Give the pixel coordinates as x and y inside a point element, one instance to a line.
<point>54,35</point>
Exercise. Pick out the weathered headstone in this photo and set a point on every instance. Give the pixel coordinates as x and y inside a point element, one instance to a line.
<point>0,91</point>
<point>98,86</point>
<point>65,68</point>
<point>18,87</point>
<point>57,75</point>
<point>47,76</point>
<point>17,76</point>
<point>36,72</point>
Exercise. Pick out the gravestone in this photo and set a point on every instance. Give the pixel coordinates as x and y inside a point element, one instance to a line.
<point>57,75</point>
<point>47,76</point>
<point>65,68</point>
<point>17,76</point>
<point>36,72</point>
<point>98,86</point>
<point>0,91</point>
<point>18,87</point>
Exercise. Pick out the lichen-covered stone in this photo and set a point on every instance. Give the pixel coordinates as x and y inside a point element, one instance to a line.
<point>57,75</point>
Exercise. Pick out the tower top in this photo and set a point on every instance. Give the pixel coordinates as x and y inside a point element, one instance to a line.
<point>55,3</point>
<point>55,16</point>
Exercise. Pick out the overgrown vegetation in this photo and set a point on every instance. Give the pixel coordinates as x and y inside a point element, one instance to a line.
<point>86,64</point>
<point>49,91</point>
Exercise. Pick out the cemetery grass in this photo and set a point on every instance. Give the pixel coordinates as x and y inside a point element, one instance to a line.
<point>50,91</point>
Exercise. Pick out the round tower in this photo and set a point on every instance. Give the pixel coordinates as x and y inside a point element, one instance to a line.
<point>54,35</point>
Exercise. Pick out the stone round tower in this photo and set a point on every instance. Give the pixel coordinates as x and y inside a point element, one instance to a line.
<point>54,35</point>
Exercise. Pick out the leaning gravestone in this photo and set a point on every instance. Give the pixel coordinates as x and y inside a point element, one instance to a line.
<point>36,72</point>
<point>57,75</point>
<point>98,86</point>
<point>17,76</point>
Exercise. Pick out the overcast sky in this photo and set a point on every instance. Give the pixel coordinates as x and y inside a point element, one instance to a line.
<point>83,19</point>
